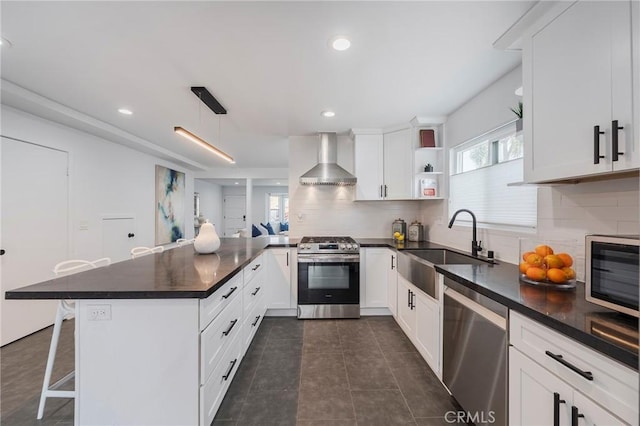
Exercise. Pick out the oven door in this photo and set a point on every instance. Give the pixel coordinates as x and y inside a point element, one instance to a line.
<point>327,279</point>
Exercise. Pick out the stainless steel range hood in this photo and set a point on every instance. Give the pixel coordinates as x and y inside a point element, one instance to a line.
<point>327,171</point>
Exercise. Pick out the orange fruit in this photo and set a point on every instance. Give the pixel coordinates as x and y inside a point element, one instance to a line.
<point>569,273</point>
<point>543,250</point>
<point>526,254</point>
<point>553,261</point>
<point>534,260</point>
<point>536,274</point>
<point>556,275</point>
<point>567,260</point>
<point>523,267</point>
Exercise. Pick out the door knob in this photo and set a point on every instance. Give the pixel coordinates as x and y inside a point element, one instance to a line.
<point>2,252</point>
<point>131,235</point>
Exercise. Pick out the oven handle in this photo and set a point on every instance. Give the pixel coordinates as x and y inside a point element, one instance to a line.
<point>339,258</point>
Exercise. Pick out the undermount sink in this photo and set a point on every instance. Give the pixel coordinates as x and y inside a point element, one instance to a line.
<point>446,257</point>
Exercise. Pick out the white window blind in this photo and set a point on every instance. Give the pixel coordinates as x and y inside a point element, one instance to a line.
<point>485,192</point>
<point>481,170</point>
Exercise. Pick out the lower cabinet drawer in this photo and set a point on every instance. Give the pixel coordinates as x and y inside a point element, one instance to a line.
<point>602,379</point>
<point>217,337</point>
<point>213,391</point>
<point>214,304</point>
<point>252,322</point>
<point>253,291</point>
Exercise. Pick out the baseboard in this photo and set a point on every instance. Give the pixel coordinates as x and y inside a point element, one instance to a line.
<point>281,313</point>
<point>366,312</point>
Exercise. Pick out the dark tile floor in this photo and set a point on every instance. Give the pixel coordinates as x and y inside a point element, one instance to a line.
<point>306,373</point>
<point>342,372</point>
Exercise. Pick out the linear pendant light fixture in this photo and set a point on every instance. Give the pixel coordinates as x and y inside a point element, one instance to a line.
<point>199,141</point>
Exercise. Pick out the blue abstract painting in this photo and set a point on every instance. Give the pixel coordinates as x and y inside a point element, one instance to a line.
<point>169,205</point>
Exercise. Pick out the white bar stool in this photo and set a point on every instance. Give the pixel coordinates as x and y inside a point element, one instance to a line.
<point>66,310</point>
<point>142,251</point>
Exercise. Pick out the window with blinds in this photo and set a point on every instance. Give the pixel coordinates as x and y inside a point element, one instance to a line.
<point>481,171</point>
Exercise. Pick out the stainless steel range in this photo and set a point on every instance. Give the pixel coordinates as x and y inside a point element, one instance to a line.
<point>328,278</point>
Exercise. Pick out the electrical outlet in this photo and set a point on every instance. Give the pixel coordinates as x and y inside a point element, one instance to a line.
<point>99,312</point>
<point>84,225</point>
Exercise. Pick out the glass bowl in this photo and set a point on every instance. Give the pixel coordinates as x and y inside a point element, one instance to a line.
<point>548,263</point>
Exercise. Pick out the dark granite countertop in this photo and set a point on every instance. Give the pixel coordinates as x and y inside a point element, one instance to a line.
<point>178,272</point>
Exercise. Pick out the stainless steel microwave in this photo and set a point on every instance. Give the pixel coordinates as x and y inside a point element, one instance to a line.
<point>612,273</point>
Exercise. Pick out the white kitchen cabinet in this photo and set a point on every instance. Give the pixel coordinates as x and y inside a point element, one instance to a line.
<point>427,329</point>
<point>543,362</point>
<point>406,314</point>
<point>383,165</point>
<point>392,283</point>
<point>373,279</point>
<point>279,262</point>
<point>577,74</point>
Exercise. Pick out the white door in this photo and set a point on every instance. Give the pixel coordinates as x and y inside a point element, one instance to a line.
<point>406,313</point>
<point>235,208</point>
<point>375,276</point>
<point>368,167</point>
<point>428,329</point>
<point>118,238</point>
<point>392,282</point>
<point>279,276</point>
<point>34,230</point>
<point>398,160</point>
<point>531,393</point>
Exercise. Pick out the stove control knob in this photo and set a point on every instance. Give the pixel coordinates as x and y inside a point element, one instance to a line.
<point>355,247</point>
<point>348,246</point>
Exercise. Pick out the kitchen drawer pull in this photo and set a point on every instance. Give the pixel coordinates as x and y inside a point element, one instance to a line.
<point>256,321</point>
<point>556,408</point>
<point>408,298</point>
<point>596,144</point>
<point>586,374</point>
<point>385,191</point>
<point>287,258</point>
<point>575,415</point>
<point>392,259</point>
<point>413,300</point>
<point>614,140</point>
<point>255,267</point>
<point>256,292</point>
<point>228,373</point>
<point>233,324</point>
<point>226,296</point>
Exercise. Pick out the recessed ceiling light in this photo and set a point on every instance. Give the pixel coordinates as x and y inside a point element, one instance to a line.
<point>328,114</point>
<point>4,42</point>
<point>518,91</point>
<point>125,111</point>
<point>340,43</point>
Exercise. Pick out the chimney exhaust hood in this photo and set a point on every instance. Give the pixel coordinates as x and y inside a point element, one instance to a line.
<point>327,171</point>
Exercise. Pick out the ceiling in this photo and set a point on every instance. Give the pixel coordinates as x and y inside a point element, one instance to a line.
<point>268,63</point>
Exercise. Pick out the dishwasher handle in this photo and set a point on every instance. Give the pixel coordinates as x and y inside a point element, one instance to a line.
<point>486,313</point>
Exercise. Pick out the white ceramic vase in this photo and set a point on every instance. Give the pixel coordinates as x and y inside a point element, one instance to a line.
<point>207,240</point>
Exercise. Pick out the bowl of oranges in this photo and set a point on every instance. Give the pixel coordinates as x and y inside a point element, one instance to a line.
<point>547,263</point>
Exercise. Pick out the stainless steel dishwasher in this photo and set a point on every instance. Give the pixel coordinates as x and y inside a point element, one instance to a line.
<point>475,353</point>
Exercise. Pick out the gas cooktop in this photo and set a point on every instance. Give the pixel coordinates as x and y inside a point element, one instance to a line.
<point>328,245</point>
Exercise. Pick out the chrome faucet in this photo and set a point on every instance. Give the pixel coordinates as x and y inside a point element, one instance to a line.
<point>476,246</point>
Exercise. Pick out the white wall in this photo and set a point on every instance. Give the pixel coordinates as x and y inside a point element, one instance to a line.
<point>330,210</point>
<point>210,202</point>
<point>104,179</point>
<point>566,212</point>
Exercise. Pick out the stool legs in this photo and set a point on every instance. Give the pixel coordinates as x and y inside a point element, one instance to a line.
<point>47,390</point>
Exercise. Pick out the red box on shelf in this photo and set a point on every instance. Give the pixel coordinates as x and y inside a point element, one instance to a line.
<point>427,138</point>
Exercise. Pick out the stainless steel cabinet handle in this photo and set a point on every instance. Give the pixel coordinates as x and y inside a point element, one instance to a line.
<point>226,296</point>
<point>586,374</point>
<point>556,408</point>
<point>256,292</point>
<point>228,373</point>
<point>233,323</point>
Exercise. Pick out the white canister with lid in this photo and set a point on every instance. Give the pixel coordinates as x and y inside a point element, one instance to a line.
<point>428,187</point>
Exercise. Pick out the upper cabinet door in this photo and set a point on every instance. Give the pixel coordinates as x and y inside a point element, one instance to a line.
<point>368,167</point>
<point>577,75</point>
<point>398,158</point>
